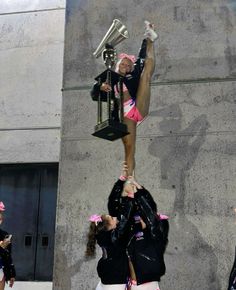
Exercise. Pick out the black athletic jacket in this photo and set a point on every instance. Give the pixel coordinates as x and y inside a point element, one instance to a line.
<point>145,247</point>
<point>115,199</point>
<point>232,277</point>
<point>5,254</point>
<point>113,268</point>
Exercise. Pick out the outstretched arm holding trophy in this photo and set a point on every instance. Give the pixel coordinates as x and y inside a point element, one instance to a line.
<point>135,89</point>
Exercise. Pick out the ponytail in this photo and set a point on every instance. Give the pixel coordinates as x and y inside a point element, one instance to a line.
<point>91,242</point>
<point>94,230</point>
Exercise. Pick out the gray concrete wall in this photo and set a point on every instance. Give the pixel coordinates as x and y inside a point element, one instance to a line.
<point>186,148</point>
<point>31,57</point>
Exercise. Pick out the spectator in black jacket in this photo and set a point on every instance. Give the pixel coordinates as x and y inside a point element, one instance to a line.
<point>232,277</point>
<point>137,77</point>
<point>7,269</point>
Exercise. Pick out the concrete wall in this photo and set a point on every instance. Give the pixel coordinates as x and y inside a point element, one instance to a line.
<point>31,57</point>
<point>186,148</point>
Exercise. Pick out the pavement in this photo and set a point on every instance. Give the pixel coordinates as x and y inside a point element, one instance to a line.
<point>19,285</point>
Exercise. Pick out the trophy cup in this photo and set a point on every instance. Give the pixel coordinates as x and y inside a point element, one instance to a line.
<point>113,127</point>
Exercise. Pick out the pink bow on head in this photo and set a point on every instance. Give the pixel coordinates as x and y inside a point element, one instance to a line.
<point>129,56</point>
<point>163,216</point>
<point>2,206</point>
<point>95,218</point>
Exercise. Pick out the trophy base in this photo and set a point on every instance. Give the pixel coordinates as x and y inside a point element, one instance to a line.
<point>110,130</point>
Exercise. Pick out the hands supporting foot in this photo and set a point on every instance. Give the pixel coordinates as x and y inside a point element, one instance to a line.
<point>150,32</point>
<point>131,185</point>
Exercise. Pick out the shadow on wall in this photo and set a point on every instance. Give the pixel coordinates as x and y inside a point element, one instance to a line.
<point>192,260</point>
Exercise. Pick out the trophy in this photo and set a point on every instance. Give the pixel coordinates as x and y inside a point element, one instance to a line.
<point>112,127</point>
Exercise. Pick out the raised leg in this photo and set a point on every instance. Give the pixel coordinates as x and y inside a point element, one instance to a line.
<point>129,145</point>
<point>144,91</point>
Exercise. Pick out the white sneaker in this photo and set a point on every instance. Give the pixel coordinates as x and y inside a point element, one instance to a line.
<point>150,32</point>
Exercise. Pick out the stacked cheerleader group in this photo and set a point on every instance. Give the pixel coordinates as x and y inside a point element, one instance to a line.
<point>133,236</point>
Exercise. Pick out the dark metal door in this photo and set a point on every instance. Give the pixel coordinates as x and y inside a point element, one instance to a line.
<point>46,224</point>
<point>29,194</point>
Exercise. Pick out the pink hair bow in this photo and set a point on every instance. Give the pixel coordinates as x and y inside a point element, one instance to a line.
<point>2,206</point>
<point>95,218</point>
<point>163,216</point>
<point>129,56</point>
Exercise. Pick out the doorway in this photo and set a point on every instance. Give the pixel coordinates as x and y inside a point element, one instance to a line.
<point>29,193</point>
